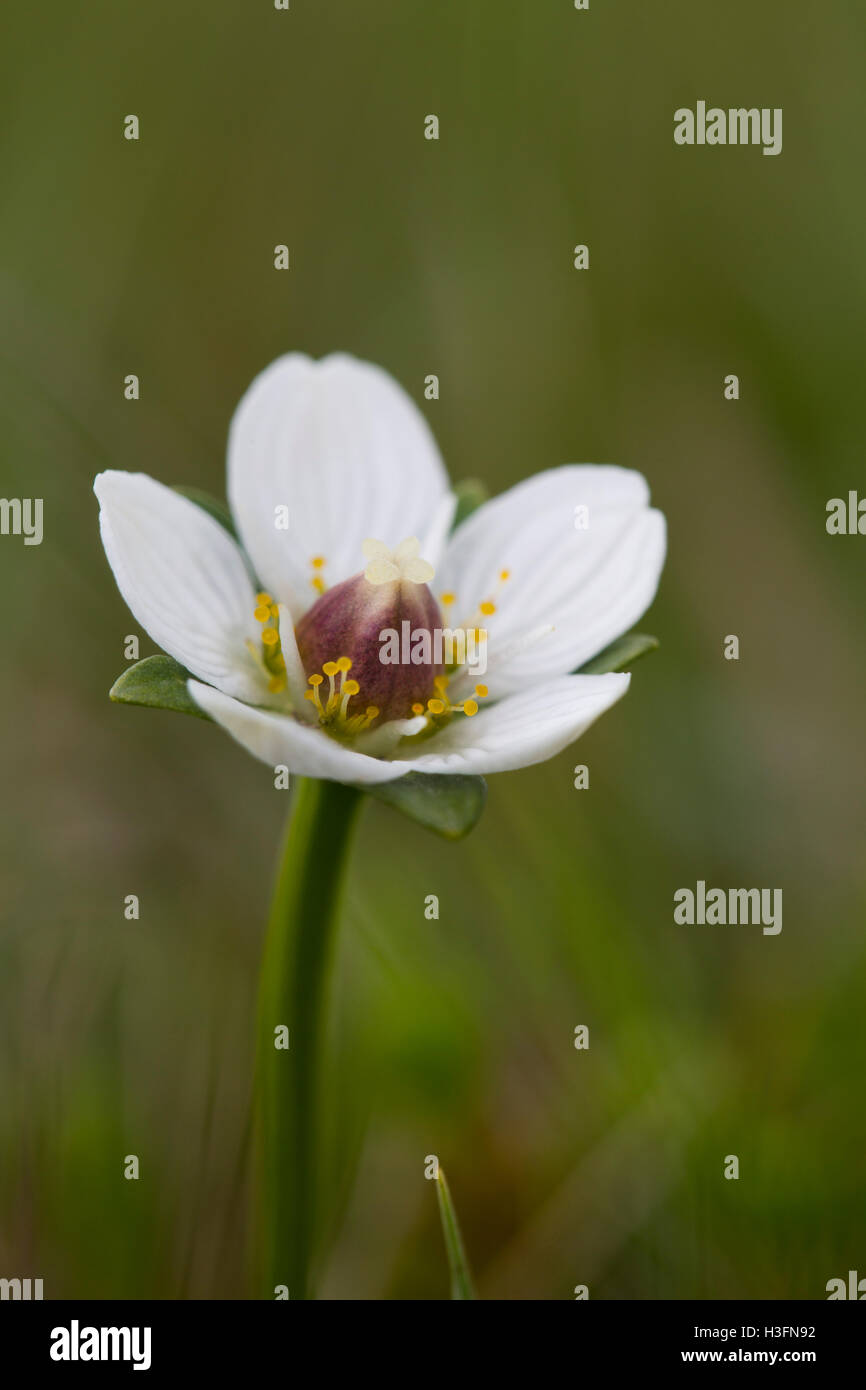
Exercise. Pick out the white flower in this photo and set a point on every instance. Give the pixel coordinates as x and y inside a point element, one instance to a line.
<point>340,446</point>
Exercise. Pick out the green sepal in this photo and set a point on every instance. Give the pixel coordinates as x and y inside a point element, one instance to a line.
<point>470,494</point>
<point>620,655</point>
<point>158,682</point>
<point>449,805</point>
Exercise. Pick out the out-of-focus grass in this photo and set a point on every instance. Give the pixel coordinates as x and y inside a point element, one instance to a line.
<point>452,1037</point>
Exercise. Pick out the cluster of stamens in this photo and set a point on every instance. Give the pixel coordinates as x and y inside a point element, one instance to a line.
<point>473,626</point>
<point>440,708</point>
<point>333,711</point>
<point>271,656</point>
<point>331,701</point>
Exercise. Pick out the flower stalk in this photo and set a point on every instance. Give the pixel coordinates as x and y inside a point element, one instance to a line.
<point>294,988</point>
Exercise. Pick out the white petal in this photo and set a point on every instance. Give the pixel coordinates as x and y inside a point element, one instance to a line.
<point>436,535</point>
<point>350,455</point>
<point>589,585</point>
<point>183,577</point>
<point>280,740</point>
<point>296,676</point>
<point>521,729</point>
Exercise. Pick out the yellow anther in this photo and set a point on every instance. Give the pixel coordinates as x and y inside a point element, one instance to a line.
<point>318,562</point>
<point>262,614</point>
<point>277,683</point>
<point>316,680</point>
<point>435,706</point>
<point>448,599</point>
<point>270,637</point>
<point>330,668</point>
<point>470,707</point>
<point>503,575</point>
<point>264,600</point>
<point>344,664</point>
<point>350,687</point>
<point>417,709</point>
<point>481,691</point>
<point>318,584</point>
<point>372,711</point>
<point>487,608</point>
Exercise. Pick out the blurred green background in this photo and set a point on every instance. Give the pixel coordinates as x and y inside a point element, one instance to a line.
<point>455,1037</point>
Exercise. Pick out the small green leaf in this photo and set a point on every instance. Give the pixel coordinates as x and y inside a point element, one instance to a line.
<point>218,510</point>
<point>470,494</point>
<point>620,655</point>
<point>461,1280</point>
<point>160,683</point>
<point>449,805</point>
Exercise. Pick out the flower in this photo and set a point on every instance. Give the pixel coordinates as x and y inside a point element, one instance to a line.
<point>344,514</point>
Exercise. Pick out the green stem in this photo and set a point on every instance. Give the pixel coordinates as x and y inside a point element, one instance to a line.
<point>293,994</point>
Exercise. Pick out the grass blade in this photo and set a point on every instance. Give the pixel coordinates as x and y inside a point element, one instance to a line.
<point>461,1279</point>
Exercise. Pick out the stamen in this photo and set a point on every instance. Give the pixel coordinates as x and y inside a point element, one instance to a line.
<point>334,713</point>
<point>315,682</point>
<point>318,562</point>
<point>269,658</point>
<point>347,690</point>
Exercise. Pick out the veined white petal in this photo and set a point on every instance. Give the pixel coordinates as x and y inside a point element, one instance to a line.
<point>343,447</point>
<point>436,535</point>
<point>589,585</point>
<point>183,577</point>
<point>280,740</point>
<point>378,743</point>
<point>296,677</point>
<point>521,729</point>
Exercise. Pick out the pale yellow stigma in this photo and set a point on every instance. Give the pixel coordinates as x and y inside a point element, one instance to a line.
<point>402,565</point>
